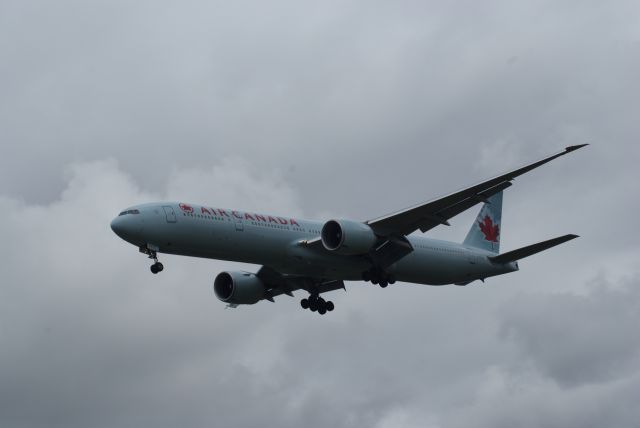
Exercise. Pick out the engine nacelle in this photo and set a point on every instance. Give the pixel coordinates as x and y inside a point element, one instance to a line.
<point>347,237</point>
<point>238,288</point>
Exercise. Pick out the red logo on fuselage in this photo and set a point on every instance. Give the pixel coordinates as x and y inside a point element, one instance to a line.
<point>186,208</point>
<point>491,231</point>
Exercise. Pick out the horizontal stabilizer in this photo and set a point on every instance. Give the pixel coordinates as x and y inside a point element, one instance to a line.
<point>529,250</point>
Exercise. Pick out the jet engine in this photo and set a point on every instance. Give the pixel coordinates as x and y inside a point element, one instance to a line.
<point>347,237</point>
<point>238,288</point>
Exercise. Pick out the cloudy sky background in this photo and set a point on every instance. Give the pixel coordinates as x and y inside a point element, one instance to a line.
<point>317,109</point>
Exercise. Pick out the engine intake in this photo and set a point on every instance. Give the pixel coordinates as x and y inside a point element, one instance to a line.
<point>239,288</point>
<point>347,237</point>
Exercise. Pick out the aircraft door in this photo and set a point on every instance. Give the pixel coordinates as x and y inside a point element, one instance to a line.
<point>239,226</point>
<point>170,214</point>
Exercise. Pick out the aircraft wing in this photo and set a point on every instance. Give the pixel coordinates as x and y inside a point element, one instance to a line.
<point>428,215</point>
<point>278,283</point>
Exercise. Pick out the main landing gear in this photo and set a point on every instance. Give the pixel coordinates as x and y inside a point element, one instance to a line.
<point>316,303</point>
<point>378,276</point>
<point>157,267</point>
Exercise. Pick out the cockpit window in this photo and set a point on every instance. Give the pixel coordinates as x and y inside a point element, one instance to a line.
<point>129,212</point>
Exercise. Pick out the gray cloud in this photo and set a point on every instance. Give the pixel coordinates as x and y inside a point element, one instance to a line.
<point>331,89</point>
<point>89,338</point>
<point>578,338</point>
<point>352,109</point>
<point>528,401</point>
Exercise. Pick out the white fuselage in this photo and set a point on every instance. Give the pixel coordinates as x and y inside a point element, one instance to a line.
<point>278,242</point>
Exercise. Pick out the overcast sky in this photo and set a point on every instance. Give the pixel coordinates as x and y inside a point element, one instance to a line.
<point>346,108</point>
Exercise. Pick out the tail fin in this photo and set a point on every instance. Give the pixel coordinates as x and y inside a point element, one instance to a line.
<point>485,231</point>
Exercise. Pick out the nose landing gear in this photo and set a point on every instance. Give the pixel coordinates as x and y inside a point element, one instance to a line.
<point>157,267</point>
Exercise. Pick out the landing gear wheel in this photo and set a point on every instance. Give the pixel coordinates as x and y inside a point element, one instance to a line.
<point>157,267</point>
<point>378,275</point>
<point>152,252</point>
<point>317,304</point>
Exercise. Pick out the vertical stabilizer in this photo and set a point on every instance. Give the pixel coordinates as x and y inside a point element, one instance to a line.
<point>486,229</point>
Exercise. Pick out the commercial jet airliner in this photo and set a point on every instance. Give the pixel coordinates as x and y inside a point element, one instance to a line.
<point>318,257</point>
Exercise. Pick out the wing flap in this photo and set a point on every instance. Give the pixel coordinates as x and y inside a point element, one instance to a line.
<point>462,206</point>
<point>330,286</point>
<point>278,284</point>
<point>391,250</point>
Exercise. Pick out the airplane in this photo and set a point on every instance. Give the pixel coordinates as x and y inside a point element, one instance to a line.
<point>318,257</point>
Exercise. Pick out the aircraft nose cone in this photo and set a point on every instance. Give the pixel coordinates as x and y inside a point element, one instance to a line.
<point>128,227</point>
<point>118,227</point>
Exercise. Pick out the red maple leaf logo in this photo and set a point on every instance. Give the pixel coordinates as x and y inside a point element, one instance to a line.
<point>491,231</point>
<point>186,208</point>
